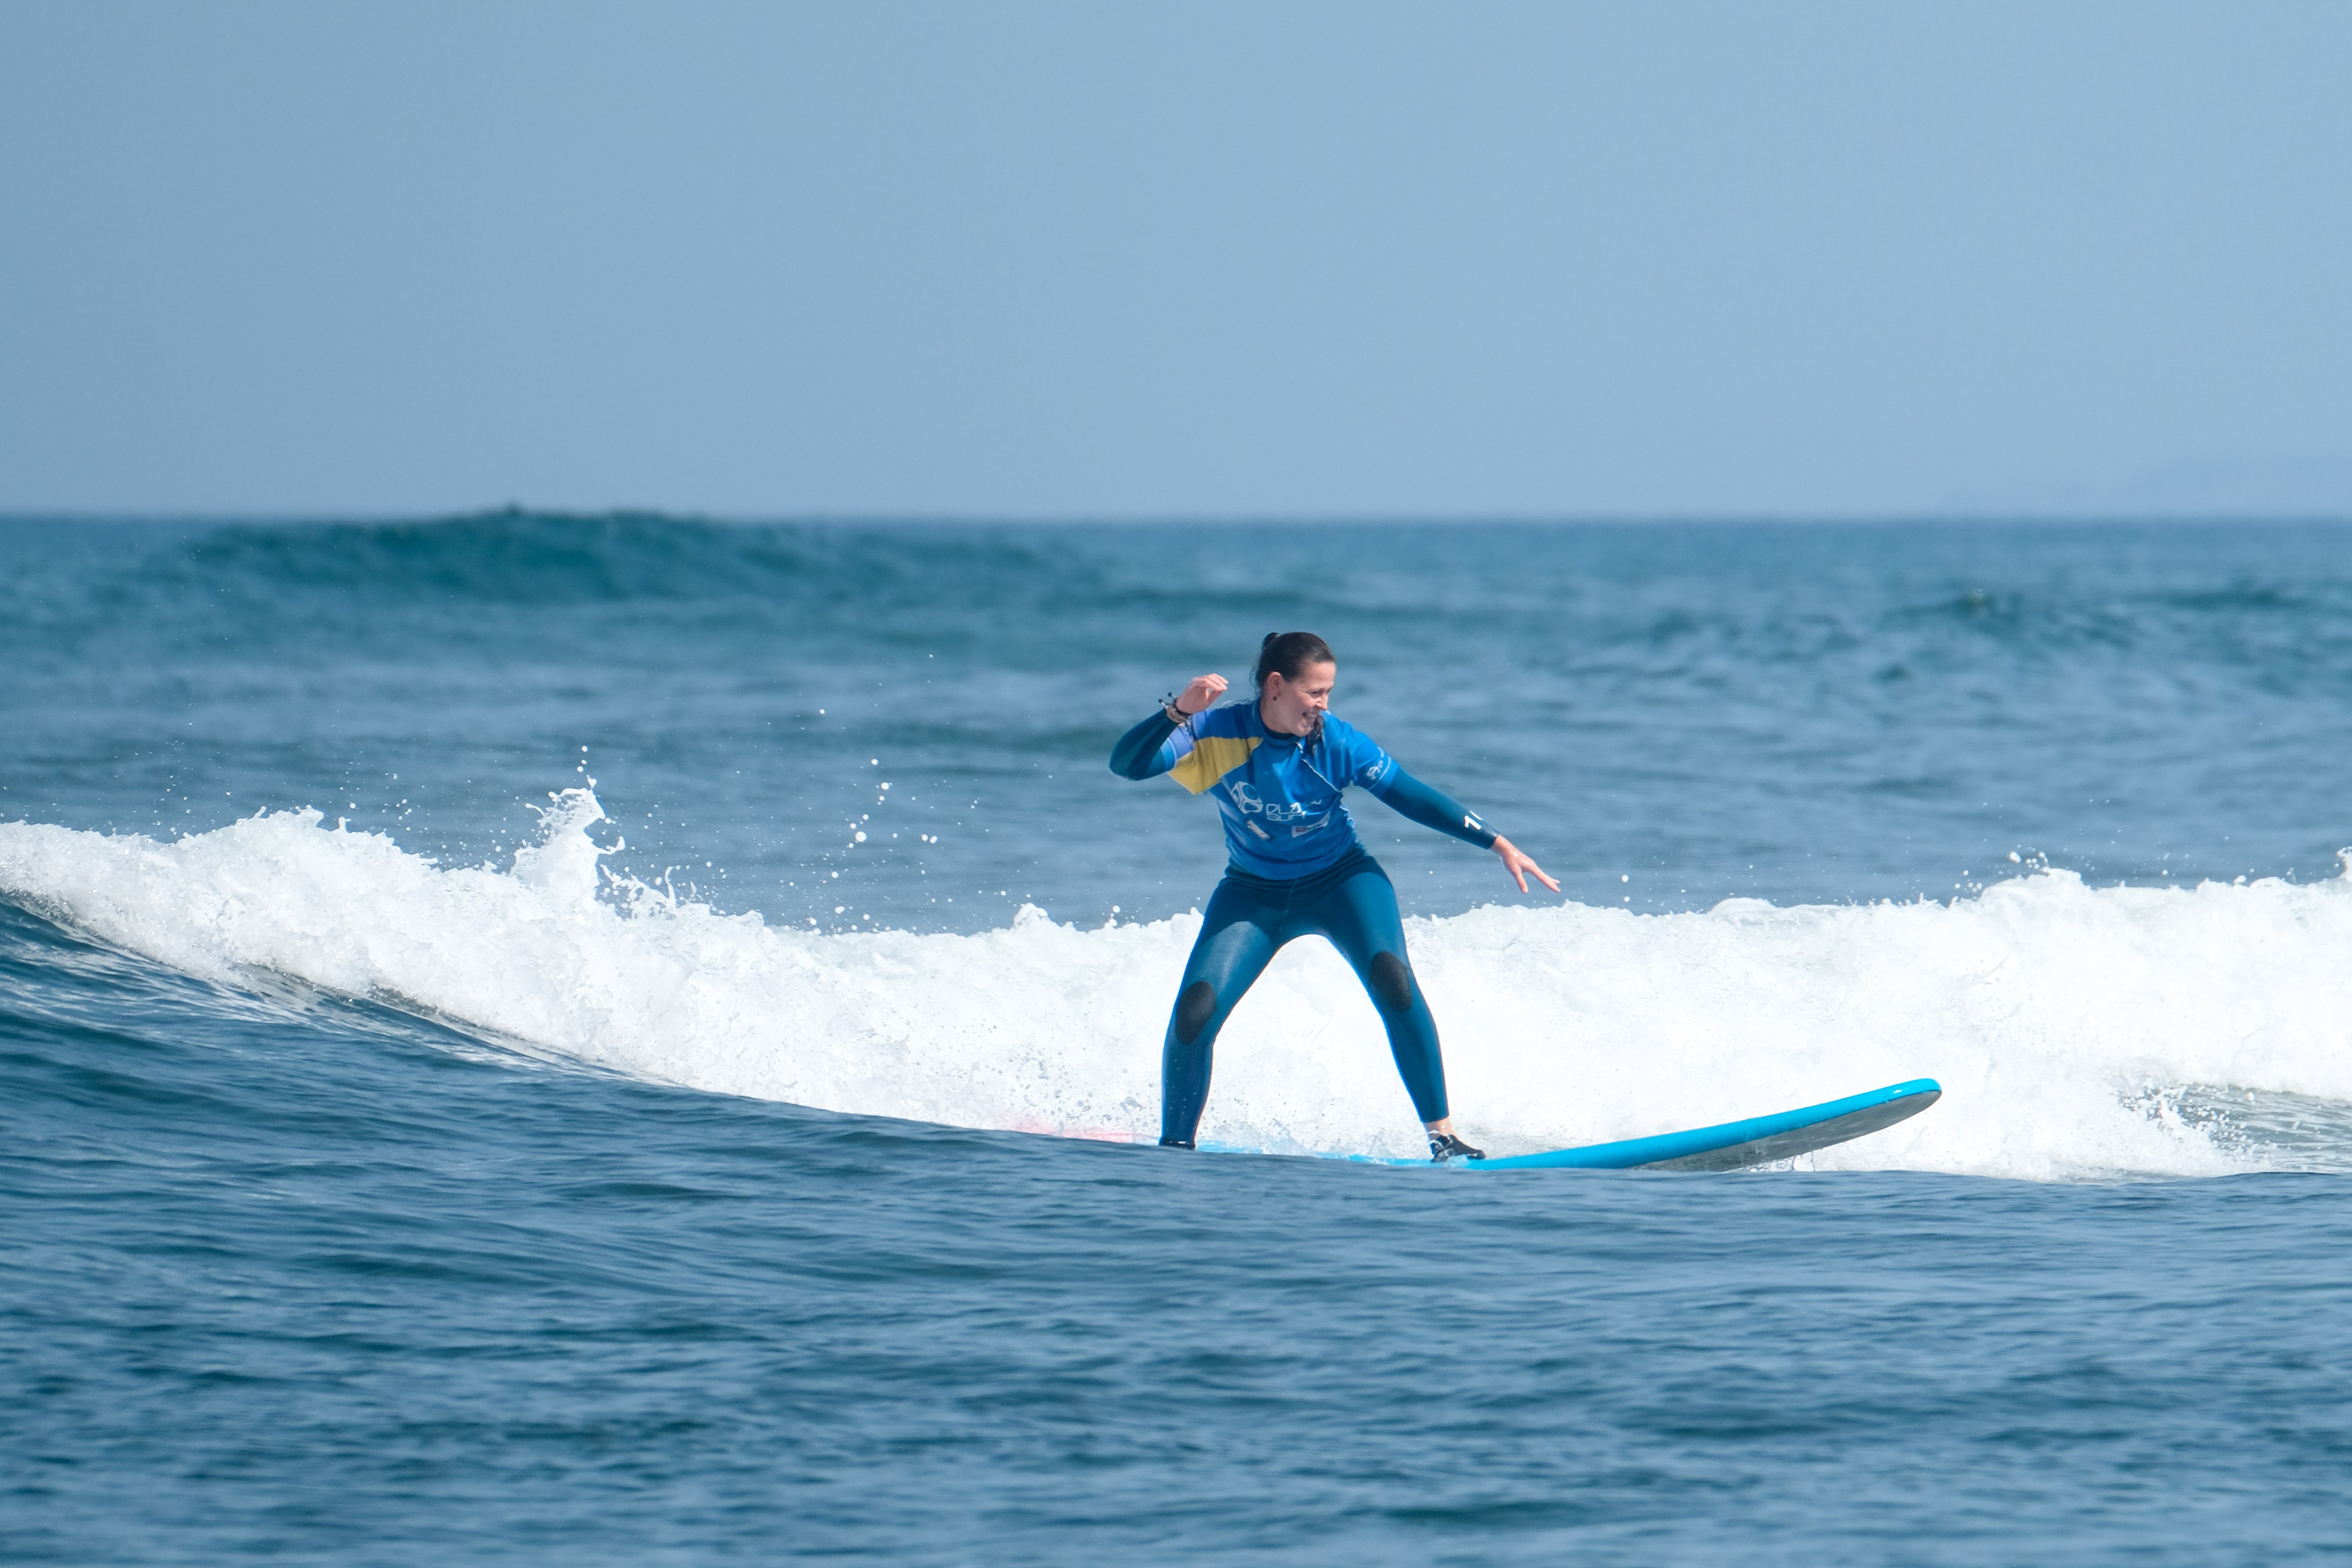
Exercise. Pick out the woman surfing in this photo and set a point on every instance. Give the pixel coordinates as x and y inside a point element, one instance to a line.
<point>1276,767</point>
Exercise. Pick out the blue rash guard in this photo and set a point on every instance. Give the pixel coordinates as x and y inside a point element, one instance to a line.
<point>1299,869</point>
<point>1279,795</point>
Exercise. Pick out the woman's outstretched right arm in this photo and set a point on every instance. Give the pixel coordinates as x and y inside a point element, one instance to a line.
<point>1147,750</point>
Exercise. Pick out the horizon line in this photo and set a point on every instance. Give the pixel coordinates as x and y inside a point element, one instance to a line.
<point>1986,517</point>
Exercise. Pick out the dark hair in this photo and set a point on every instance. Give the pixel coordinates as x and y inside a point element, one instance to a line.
<point>1288,653</point>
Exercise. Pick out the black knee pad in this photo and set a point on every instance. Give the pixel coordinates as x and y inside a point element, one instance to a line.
<point>1391,983</point>
<point>1195,1009</point>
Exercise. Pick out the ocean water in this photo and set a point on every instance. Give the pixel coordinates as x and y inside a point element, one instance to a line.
<point>626,1039</point>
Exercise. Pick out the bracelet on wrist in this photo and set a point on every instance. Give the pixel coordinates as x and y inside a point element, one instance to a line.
<point>1175,715</point>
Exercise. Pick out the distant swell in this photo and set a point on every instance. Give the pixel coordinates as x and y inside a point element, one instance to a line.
<point>2078,1032</point>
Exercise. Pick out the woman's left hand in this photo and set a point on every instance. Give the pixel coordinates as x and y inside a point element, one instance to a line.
<point>1519,866</point>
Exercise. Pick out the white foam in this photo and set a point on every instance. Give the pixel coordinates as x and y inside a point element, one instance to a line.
<point>2056,1016</point>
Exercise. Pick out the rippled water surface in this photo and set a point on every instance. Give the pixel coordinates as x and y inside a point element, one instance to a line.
<point>469,1093</point>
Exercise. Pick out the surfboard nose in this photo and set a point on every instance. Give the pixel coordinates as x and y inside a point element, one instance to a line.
<point>1758,1140</point>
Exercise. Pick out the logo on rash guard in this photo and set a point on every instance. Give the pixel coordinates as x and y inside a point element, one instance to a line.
<point>1252,804</point>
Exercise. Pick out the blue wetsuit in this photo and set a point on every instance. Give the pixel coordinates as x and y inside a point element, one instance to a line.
<point>1299,869</point>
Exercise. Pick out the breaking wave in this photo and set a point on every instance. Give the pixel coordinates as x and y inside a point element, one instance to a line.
<point>2078,1032</point>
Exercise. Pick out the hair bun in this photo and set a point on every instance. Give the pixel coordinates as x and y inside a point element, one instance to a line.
<point>1267,641</point>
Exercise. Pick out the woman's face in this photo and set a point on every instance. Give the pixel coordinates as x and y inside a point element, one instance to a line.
<point>1296,707</point>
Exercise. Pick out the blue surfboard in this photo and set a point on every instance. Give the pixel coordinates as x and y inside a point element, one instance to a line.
<point>1759,1141</point>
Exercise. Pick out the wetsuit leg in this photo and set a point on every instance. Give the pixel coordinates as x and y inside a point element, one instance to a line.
<point>1359,917</point>
<point>1235,944</point>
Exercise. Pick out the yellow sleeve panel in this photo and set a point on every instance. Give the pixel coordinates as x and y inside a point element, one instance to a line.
<point>1211,759</point>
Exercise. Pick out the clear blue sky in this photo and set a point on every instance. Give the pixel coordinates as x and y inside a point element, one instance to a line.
<point>1354,259</point>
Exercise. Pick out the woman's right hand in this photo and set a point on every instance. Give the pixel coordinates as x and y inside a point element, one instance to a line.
<point>1203,692</point>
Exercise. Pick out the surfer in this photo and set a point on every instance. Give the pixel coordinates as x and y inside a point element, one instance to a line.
<point>1276,767</point>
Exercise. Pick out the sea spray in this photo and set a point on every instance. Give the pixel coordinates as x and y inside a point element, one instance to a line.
<point>2062,1020</point>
